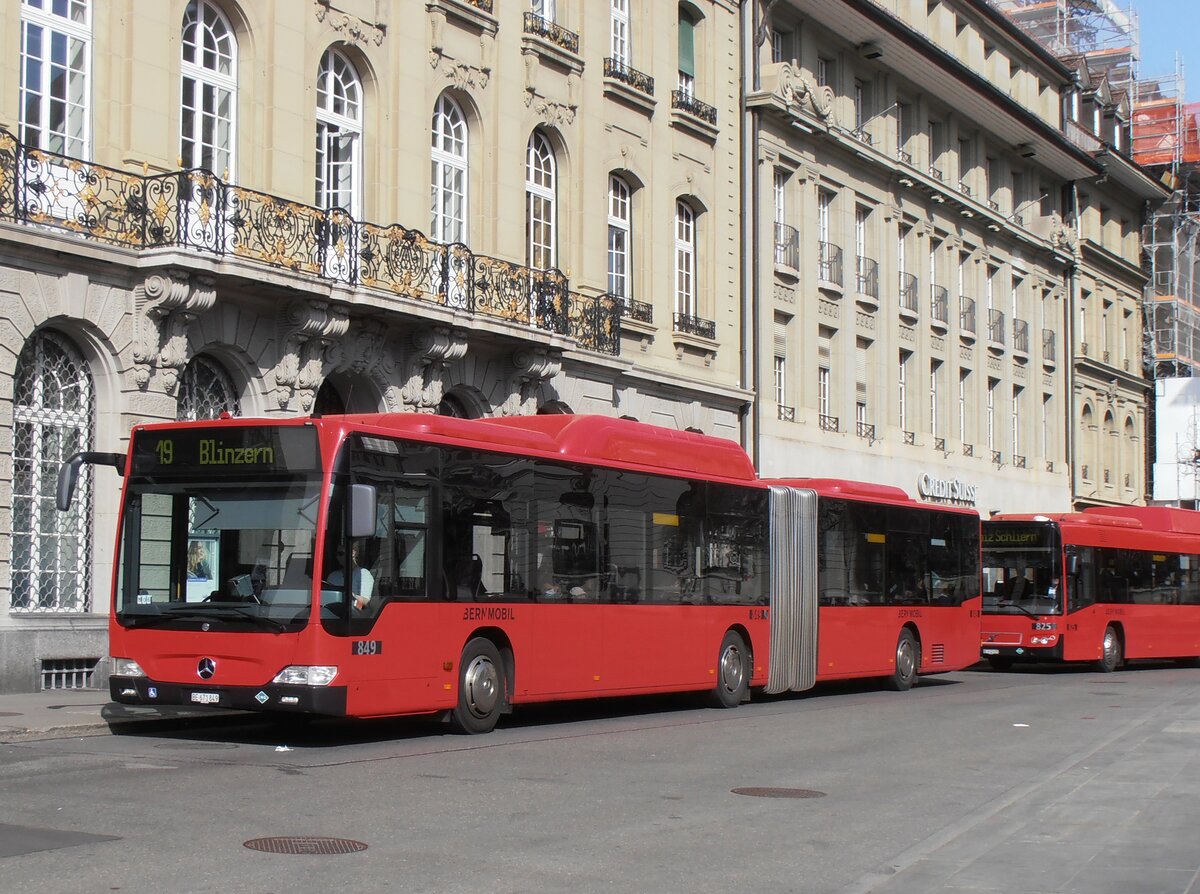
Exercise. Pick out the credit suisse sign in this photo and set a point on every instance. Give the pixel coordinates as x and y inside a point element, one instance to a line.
<point>946,490</point>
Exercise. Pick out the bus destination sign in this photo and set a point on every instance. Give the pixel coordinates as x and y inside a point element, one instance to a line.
<point>229,451</point>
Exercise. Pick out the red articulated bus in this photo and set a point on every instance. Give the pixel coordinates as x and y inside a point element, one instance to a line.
<point>395,564</point>
<point>1102,585</point>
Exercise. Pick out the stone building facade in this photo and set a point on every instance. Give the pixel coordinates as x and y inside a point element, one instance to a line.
<point>452,206</point>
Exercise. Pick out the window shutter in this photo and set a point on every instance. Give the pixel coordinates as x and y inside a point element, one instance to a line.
<point>687,45</point>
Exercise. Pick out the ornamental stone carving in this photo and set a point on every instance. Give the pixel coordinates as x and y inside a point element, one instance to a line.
<point>350,27</point>
<point>307,329</point>
<point>794,89</point>
<point>165,304</point>
<point>432,350</point>
<point>532,366</point>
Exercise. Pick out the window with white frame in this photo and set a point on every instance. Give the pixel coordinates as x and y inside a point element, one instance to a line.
<point>1016,420</point>
<point>935,375</point>
<point>685,259</point>
<point>622,50</point>
<point>903,388</point>
<point>541,199</point>
<point>824,364</point>
<point>208,104</point>
<point>780,361</point>
<point>964,376</point>
<point>448,173</point>
<point>55,93</point>
<point>824,212</point>
<point>618,237</point>
<point>53,407</point>
<point>779,194</point>
<point>339,133</point>
<point>545,9</point>
<point>1045,426</point>
<point>991,412</point>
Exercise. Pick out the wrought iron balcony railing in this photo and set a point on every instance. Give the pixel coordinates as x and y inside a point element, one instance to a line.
<point>641,311</point>
<point>787,414</point>
<point>936,173</point>
<point>966,314</point>
<point>910,437</point>
<point>551,31</point>
<point>198,211</point>
<point>995,326</point>
<point>866,431</point>
<point>829,423</point>
<point>695,326</point>
<point>939,444</point>
<point>904,156</point>
<point>626,74</point>
<point>968,449</point>
<point>485,5</point>
<point>787,246</point>
<point>862,136</point>
<point>866,277</point>
<point>1021,336</point>
<point>997,458</point>
<point>1048,345</point>
<point>908,293</point>
<point>829,263</point>
<point>1018,461</point>
<point>939,303</point>
<point>685,102</point>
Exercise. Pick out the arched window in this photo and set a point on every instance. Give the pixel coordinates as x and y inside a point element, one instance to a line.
<point>685,259</point>
<point>53,409</point>
<point>541,176</point>
<point>339,133</point>
<point>448,179</point>
<point>56,76</point>
<point>618,237</point>
<point>208,105</point>
<point>206,391</point>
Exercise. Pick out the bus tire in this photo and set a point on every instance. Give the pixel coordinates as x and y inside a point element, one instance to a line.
<point>908,662</point>
<point>481,688</point>
<point>733,672</point>
<point>1110,651</point>
<point>1001,663</point>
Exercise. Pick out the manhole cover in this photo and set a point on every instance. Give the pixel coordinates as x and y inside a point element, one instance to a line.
<point>305,844</point>
<point>778,792</point>
<point>180,746</point>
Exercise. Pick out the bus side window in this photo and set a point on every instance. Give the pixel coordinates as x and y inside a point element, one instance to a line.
<point>1082,584</point>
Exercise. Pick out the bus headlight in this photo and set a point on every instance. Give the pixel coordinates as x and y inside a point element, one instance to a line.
<point>125,667</point>
<point>306,675</point>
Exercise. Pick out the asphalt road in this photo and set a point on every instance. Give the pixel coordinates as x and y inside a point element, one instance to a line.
<point>1048,780</point>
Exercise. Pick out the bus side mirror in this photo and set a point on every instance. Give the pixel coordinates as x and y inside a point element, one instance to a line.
<point>362,510</point>
<point>68,473</point>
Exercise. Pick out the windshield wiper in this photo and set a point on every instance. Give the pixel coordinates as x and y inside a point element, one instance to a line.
<point>1004,603</point>
<point>220,613</point>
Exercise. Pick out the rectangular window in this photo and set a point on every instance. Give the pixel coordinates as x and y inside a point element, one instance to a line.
<point>620,32</point>
<point>935,374</point>
<point>964,376</point>
<point>779,192</point>
<point>991,413</point>
<point>1016,420</point>
<point>687,55</point>
<point>55,73</point>
<point>824,72</point>
<point>685,260</point>
<point>903,383</point>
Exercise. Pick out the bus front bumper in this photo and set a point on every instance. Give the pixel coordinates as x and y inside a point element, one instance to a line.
<point>328,700</point>
<point>1023,653</point>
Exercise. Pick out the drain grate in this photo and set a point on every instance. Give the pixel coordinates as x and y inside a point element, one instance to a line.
<point>305,844</point>
<point>754,792</point>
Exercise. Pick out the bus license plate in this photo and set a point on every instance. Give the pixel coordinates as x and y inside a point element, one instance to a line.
<point>985,652</point>
<point>206,698</point>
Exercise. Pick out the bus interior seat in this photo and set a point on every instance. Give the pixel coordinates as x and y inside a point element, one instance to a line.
<point>297,574</point>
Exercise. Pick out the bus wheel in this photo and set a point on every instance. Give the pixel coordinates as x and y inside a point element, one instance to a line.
<point>1110,660</point>
<point>908,662</point>
<point>733,672</point>
<point>481,688</point>
<point>1000,664</point>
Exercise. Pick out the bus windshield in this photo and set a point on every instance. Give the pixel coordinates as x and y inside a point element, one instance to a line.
<point>227,548</point>
<point>1022,570</point>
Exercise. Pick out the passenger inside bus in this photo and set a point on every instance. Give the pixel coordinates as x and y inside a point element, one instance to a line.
<point>362,582</point>
<point>466,577</point>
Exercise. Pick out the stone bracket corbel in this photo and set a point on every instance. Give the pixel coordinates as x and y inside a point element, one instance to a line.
<point>166,302</point>
<point>307,328</point>
<point>432,350</point>
<point>532,367</point>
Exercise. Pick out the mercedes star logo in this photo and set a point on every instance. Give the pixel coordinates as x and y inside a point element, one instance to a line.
<point>206,668</point>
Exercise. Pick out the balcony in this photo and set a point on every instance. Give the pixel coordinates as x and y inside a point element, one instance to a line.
<point>909,302</point>
<point>1018,461</point>
<point>910,438</point>
<point>866,279</point>
<point>786,414</point>
<point>866,431</point>
<point>787,248</point>
<point>551,31</point>
<point>966,318</point>
<point>1020,336</point>
<point>829,263</point>
<point>619,71</point>
<point>862,136</point>
<point>904,156</point>
<point>939,444</point>
<point>939,307</point>
<point>641,311</point>
<point>683,101</point>
<point>829,423</point>
<point>996,328</point>
<point>964,188</point>
<point>936,173</point>
<point>997,459</point>
<point>690,325</point>
<point>196,211</point>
